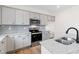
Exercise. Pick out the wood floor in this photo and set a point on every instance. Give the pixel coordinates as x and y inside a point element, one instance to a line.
<point>35,49</point>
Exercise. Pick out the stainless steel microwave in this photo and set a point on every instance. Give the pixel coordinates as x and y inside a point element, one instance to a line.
<point>34,22</point>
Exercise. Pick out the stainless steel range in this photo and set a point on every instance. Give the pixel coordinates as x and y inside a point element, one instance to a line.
<point>36,35</point>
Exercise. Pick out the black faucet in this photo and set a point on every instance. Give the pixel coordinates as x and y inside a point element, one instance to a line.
<point>77,40</point>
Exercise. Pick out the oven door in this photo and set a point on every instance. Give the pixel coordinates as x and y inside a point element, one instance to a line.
<point>36,37</point>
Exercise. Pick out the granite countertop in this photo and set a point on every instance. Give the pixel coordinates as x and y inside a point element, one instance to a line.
<point>2,37</point>
<point>58,48</point>
<point>11,35</point>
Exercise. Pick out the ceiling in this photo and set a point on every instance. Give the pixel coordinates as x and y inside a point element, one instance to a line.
<point>48,9</point>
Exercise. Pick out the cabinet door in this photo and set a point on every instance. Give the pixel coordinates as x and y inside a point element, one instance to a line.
<point>8,15</point>
<point>10,44</point>
<point>53,18</point>
<point>26,18</point>
<point>18,42</point>
<point>4,44</point>
<point>19,17</point>
<point>2,51</point>
<point>43,19</point>
<point>27,40</point>
<point>34,15</point>
<point>45,35</point>
<point>0,16</point>
<point>49,18</point>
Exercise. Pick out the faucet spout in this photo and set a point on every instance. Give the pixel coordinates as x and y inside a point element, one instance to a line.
<point>77,40</point>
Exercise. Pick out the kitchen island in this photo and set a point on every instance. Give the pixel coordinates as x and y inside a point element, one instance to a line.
<point>57,48</point>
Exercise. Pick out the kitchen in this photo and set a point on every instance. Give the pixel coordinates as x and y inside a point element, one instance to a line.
<point>22,29</point>
<point>34,29</point>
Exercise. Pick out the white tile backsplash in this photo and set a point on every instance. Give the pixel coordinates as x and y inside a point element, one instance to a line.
<point>13,29</point>
<point>17,29</point>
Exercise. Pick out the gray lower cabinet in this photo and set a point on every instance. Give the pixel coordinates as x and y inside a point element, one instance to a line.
<point>18,42</point>
<point>10,44</point>
<point>8,16</point>
<point>45,35</point>
<point>15,42</point>
<point>22,41</point>
<point>26,40</point>
<point>5,45</point>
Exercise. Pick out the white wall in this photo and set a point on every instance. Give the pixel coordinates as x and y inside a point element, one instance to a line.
<point>65,19</point>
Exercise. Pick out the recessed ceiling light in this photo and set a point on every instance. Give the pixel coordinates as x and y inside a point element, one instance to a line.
<point>58,6</point>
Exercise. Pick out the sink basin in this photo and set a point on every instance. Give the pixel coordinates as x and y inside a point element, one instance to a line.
<point>65,40</point>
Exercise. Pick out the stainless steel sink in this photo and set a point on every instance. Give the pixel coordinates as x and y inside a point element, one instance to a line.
<point>65,40</point>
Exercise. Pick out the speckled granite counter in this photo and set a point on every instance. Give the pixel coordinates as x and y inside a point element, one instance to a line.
<point>2,37</point>
<point>57,48</point>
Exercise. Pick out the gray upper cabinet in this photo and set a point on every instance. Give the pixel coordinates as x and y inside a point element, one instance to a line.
<point>22,17</point>
<point>26,18</point>
<point>51,18</point>
<point>11,16</point>
<point>22,40</point>
<point>43,19</point>
<point>0,16</point>
<point>34,15</point>
<point>19,17</point>
<point>8,15</point>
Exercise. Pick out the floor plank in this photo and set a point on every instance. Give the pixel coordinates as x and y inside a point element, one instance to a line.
<point>35,49</point>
